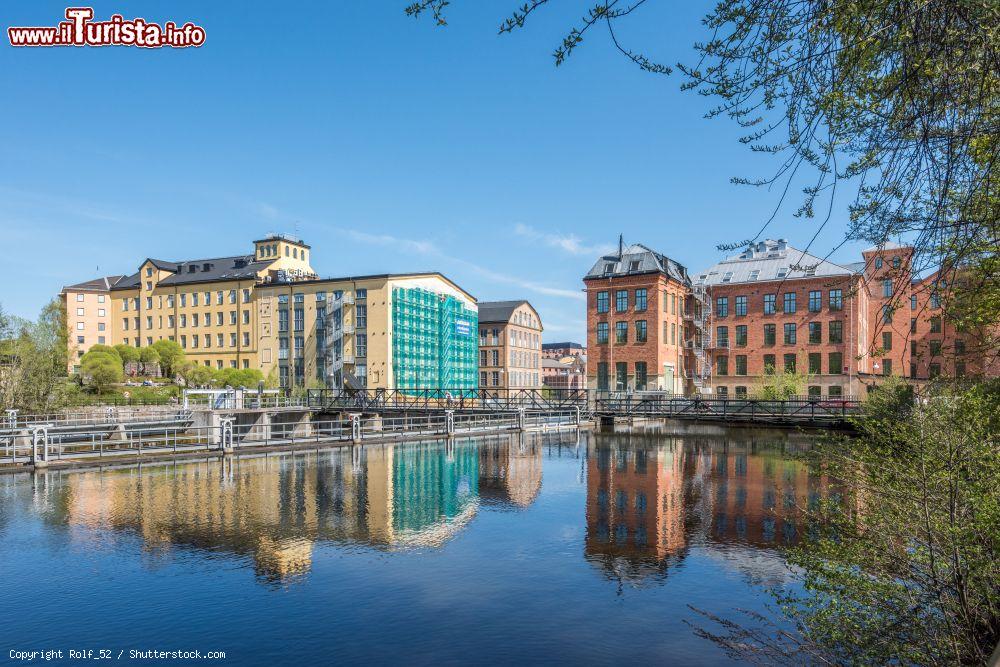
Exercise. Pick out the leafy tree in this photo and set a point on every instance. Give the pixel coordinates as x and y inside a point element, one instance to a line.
<point>149,355</point>
<point>104,349</point>
<point>171,356</point>
<point>101,369</point>
<point>127,353</point>
<point>33,360</point>
<point>781,386</point>
<point>905,569</point>
<point>197,375</point>
<point>239,377</point>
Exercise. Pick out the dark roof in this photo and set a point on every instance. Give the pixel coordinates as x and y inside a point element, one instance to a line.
<point>637,259</point>
<point>498,311</point>
<point>98,284</point>
<point>559,346</point>
<point>214,269</point>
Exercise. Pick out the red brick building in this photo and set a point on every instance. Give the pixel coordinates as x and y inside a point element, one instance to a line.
<point>770,308</point>
<point>635,321</point>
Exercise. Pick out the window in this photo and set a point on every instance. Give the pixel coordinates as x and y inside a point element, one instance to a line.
<point>219,299</point>
<point>299,318</point>
<point>815,363</point>
<point>640,376</point>
<point>741,305</point>
<point>935,348</point>
<point>79,298</point>
<point>722,365</point>
<point>836,299</point>
<point>836,332</point>
<point>621,300</point>
<point>149,272</point>
<point>495,357</point>
<point>219,317</point>
<point>886,340</point>
<point>640,331</point>
<point>815,391</point>
<point>220,340</point>
<point>232,317</point>
<point>835,391</point>
<point>886,288</point>
<point>232,340</point>
<point>935,301</point>
<point>361,316</point>
<point>959,347</point>
<point>621,332</point>
<point>887,367</point>
<point>602,376</point>
<point>79,312</point>
<point>283,319</point>
<point>640,300</point>
<point>602,332</point>
<point>320,316</point>
<point>934,370</point>
<point>722,336</point>
<point>789,305</point>
<point>673,333</point>
<point>602,302</point>
<point>835,362</point>
<point>722,306</point>
<point>741,392</point>
<point>790,333</point>
<point>790,362</point>
<point>125,323</point>
<point>741,364</point>
<point>769,300</point>
<point>769,364</point>
<point>769,334</point>
<point>878,262</point>
<point>959,368</point>
<point>246,339</point>
<point>896,262</point>
<point>936,324</point>
<point>621,375</point>
<point>815,301</point>
<point>722,392</point>
<point>741,335</point>
<point>246,296</point>
<point>361,345</point>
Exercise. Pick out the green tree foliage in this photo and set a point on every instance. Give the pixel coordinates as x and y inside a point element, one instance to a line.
<point>171,356</point>
<point>33,360</point>
<point>149,355</point>
<point>904,568</point>
<point>101,369</point>
<point>197,375</point>
<point>239,377</point>
<point>780,386</point>
<point>104,349</point>
<point>127,353</point>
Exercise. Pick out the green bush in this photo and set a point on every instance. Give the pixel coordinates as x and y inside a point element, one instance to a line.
<point>102,368</point>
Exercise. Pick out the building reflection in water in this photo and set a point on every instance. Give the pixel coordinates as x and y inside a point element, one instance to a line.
<point>652,497</point>
<point>275,509</point>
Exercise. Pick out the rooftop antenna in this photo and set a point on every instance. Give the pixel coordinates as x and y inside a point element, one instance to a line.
<point>621,245</point>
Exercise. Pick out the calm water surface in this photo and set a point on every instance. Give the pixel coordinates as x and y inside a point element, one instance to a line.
<point>558,548</point>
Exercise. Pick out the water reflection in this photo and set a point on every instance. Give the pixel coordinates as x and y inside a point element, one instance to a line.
<point>650,498</point>
<point>274,509</point>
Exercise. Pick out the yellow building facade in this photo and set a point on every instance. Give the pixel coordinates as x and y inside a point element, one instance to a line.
<point>270,311</point>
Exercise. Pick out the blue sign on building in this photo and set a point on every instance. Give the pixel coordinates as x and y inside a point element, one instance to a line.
<point>463,328</point>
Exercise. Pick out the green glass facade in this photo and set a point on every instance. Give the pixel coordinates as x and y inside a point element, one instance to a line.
<point>434,341</point>
<point>430,487</point>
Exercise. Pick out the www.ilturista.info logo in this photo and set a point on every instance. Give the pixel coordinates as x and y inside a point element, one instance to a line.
<point>81,30</point>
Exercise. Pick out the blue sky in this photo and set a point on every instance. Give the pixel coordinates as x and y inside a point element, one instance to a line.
<point>388,144</point>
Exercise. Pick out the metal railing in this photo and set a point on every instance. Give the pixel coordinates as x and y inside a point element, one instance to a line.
<point>814,410</point>
<point>41,445</point>
<point>444,399</point>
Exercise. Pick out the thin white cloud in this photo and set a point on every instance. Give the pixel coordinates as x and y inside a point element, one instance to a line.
<point>570,243</point>
<point>428,248</point>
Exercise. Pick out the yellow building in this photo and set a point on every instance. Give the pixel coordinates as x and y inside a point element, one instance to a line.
<point>270,311</point>
<point>88,316</point>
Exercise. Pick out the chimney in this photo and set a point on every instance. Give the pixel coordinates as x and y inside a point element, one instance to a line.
<point>621,246</point>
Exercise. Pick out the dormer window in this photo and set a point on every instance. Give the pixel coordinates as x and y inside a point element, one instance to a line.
<point>782,272</point>
<point>207,266</point>
<point>755,274</point>
<point>609,269</point>
<point>633,265</point>
<point>192,268</point>
<point>728,277</point>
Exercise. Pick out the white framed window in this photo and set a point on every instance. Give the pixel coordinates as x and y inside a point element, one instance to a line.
<point>79,326</point>
<point>79,298</point>
<point>101,312</point>
<point>100,298</point>
<point>79,312</point>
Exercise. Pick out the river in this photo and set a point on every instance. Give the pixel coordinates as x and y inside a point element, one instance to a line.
<point>558,548</point>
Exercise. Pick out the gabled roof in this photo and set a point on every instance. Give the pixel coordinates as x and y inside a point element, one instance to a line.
<point>214,269</point>
<point>95,285</point>
<point>499,311</point>
<point>770,260</point>
<point>637,259</point>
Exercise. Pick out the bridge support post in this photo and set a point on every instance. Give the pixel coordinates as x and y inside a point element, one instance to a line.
<point>110,414</point>
<point>355,426</point>
<point>521,421</point>
<point>226,436</point>
<point>449,423</point>
<point>576,415</point>
<point>11,419</point>
<point>40,437</point>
